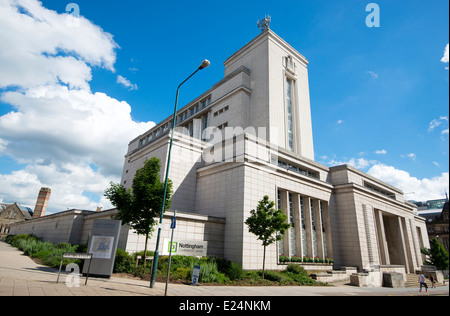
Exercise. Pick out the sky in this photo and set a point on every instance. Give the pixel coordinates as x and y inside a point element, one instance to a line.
<point>76,87</point>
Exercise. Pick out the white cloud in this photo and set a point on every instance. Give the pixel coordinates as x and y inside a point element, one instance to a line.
<point>411,156</point>
<point>381,152</point>
<point>339,122</point>
<point>124,81</point>
<point>42,49</point>
<point>359,163</point>
<point>444,58</point>
<point>374,75</point>
<point>424,189</point>
<point>56,123</point>
<point>433,124</point>
<point>59,129</point>
<point>443,120</point>
<point>68,183</point>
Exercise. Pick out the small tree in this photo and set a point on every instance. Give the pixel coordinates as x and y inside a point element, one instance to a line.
<point>267,223</point>
<point>139,205</point>
<point>438,256</point>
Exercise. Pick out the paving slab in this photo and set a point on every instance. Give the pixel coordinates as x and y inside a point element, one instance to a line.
<point>21,276</point>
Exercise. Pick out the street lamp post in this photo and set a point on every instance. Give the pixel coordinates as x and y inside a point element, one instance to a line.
<point>204,64</point>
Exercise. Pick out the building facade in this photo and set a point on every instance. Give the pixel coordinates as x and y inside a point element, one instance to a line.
<point>12,213</point>
<point>250,135</point>
<point>435,213</point>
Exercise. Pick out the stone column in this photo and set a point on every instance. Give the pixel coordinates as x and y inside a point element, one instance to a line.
<point>404,241</point>
<point>382,243</point>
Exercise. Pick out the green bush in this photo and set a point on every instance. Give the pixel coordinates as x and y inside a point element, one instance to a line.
<point>124,262</point>
<point>181,273</point>
<point>235,271</point>
<point>296,269</point>
<point>274,276</point>
<point>49,253</point>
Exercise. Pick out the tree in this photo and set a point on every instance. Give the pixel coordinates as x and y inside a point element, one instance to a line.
<point>139,205</point>
<point>267,223</point>
<point>438,256</point>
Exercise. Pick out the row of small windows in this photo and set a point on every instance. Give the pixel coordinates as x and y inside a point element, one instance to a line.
<point>221,111</point>
<point>180,118</point>
<point>194,109</point>
<point>222,126</point>
<point>378,190</point>
<point>298,169</point>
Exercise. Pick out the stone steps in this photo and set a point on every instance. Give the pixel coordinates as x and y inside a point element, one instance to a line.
<point>412,280</point>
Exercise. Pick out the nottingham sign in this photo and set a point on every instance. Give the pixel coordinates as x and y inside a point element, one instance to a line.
<point>193,248</point>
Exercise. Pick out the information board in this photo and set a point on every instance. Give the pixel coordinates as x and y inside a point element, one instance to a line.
<point>103,245</point>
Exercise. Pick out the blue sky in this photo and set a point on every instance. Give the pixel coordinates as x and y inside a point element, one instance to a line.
<point>379,96</point>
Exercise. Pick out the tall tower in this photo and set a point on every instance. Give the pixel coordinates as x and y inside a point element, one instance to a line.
<point>279,91</point>
<point>41,203</point>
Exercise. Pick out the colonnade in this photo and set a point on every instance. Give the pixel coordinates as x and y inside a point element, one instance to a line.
<point>310,233</point>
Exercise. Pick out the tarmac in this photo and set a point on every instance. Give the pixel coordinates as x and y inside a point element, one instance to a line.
<point>21,276</point>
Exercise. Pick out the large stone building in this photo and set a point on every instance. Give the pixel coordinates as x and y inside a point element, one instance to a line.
<point>248,136</point>
<point>12,213</point>
<point>435,213</point>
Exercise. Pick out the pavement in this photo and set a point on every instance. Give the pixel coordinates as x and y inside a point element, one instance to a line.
<point>21,276</point>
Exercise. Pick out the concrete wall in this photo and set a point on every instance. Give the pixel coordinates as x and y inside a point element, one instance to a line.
<point>75,227</point>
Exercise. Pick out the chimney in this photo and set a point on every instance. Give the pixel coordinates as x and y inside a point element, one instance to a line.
<point>99,208</point>
<point>41,203</point>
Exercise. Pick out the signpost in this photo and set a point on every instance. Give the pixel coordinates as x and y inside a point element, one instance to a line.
<point>172,226</point>
<point>78,256</point>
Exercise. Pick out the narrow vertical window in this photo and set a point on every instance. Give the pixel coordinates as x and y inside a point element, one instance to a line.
<point>324,234</point>
<point>290,128</point>
<point>292,229</point>
<point>303,228</point>
<point>280,207</point>
<point>314,232</point>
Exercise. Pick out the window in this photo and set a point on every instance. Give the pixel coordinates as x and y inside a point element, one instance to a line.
<point>221,111</point>
<point>313,224</point>
<point>204,103</point>
<point>290,119</point>
<point>292,229</point>
<point>280,207</point>
<point>303,228</point>
<point>298,169</point>
<point>379,190</point>
<point>223,126</point>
